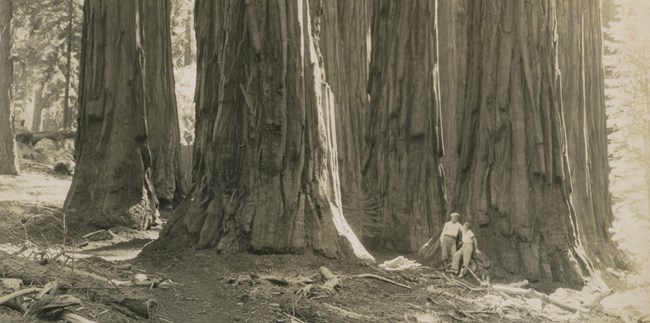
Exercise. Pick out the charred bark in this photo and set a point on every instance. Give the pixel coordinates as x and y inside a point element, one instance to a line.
<point>265,167</point>
<point>580,48</point>
<point>402,169</point>
<point>8,156</point>
<point>162,114</point>
<point>514,178</point>
<point>112,182</point>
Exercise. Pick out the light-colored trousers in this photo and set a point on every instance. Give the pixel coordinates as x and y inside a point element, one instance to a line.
<point>448,246</point>
<point>466,252</point>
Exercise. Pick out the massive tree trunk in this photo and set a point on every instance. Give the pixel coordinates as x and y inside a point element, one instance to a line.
<point>514,177</point>
<point>344,32</point>
<point>580,49</point>
<point>112,181</point>
<point>265,168</point>
<point>162,115</point>
<point>38,107</point>
<point>452,24</point>
<point>8,156</point>
<point>402,169</point>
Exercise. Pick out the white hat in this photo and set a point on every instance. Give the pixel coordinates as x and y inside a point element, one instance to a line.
<point>454,215</point>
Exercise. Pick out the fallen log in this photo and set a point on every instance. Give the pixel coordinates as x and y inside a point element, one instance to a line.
<point>34,137</point>
<point>535,294</point>
<point>101,291</point>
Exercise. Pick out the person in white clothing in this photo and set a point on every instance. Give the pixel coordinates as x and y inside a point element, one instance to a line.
<point>448,237</point>
<point>469,245</point>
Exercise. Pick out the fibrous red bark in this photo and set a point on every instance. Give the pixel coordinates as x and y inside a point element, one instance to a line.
<point>580,49</point>
<point>402,169</point>
<point>514,173</point>
<point>343,41</point>
<point>112,181</point>
<point>162,114</point>
<point>265,164</point>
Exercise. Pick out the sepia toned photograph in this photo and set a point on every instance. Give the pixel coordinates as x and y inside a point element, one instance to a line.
<point>315,161</point>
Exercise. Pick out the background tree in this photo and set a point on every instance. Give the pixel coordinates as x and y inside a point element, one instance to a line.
<point>46,77</point>
<point>265,167</point>
<point>8,158</point>
<point>162,116</point>
<point>402,170</point>
<point>513,177</point>
<point>184,53</point>
<point>112,182</point>
<point>182,32</point>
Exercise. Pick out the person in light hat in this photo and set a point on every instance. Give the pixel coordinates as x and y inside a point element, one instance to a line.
<point>448,237</point>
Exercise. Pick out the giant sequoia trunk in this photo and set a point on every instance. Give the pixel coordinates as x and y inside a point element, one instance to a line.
<point>112,181</point>
<point>8,157</point>
<point>580,60</point>
<point>265,168</point>
<point>402,170</point>
<point>344,31</point>
<point>514,178</point>
<point>452,24</point>
<point>162,115</point>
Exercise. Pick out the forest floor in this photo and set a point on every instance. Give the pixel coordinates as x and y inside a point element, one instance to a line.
<point>203,286</point>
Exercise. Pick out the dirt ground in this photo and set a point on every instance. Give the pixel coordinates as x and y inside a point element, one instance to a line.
<point>203,286</point>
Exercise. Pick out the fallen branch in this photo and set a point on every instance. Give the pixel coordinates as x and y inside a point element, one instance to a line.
<point>535,294</point>
<point>18,293</point>
<point>598,297</point>
<point>46,289</point>
<point>466,285</point>
<point>99,290</point>
<point>74,318</point>
<point>386,280</point>
<point>348,314</point>
<point>275,280</point>
<point>460,298</point>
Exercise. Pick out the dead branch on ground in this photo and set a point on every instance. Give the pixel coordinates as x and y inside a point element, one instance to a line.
<point>535,294</point>
<point>386,280</point>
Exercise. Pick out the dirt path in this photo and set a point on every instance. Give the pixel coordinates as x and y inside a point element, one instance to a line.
<point>34,188</point>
